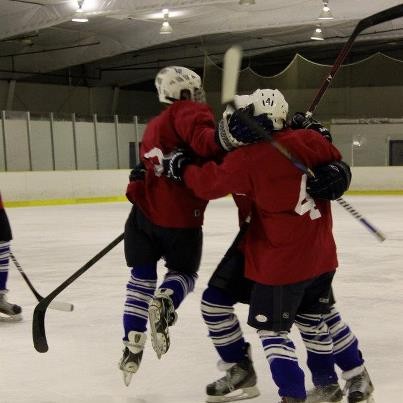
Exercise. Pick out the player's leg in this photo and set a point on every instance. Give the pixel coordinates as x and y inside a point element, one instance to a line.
<point>317,340</point>
<point>272,312</point>
<point>8,310</point>
<point>182,250</point>
<point>141,256</point>
<point>348,357</point>
<point>227,286</point>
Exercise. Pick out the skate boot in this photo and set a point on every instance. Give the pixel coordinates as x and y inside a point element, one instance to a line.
<point>326,393</point>
<point>359,388</point>
<point>292,400</point>
<point>9,312</point>
<point>132,354</point>
<point>161,313</point>
<point>238,383</point>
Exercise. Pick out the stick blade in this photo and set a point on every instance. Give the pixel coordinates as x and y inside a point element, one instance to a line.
<point>38,329</point>
<point>61,306</point>
<point>232,65</point>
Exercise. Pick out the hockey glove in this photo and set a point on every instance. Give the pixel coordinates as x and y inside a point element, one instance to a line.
<point>300,121</point>
<point>174,164</point>
<point>232,132</point>
<point>330,181</point>
<point>138,173</point>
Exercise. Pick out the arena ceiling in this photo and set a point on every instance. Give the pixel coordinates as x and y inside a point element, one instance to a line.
<point>121,45</point>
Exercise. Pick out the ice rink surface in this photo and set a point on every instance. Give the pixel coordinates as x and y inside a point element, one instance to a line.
<point>85,345</point>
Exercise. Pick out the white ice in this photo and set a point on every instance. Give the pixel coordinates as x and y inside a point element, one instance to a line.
<point>85,345</point>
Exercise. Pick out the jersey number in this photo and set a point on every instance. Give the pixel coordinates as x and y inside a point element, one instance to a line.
<point>306,203</point>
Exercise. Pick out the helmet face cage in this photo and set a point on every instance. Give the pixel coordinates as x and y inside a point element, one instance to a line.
<point>172,80</point>
<point>273,103</point>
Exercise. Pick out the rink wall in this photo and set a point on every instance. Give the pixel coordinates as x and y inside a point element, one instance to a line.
<point>64,187</point>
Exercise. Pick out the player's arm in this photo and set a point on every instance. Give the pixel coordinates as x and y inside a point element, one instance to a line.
<point>210,180</point>
<point>195,124</point>
<point>330,181</point>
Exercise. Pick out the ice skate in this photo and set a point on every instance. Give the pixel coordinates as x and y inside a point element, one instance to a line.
<point>327,393</point>
<point>161,314</point>
<point>238,383</point>
<point>359,388</point>
<point>9,312</point>
<point>132,354</point>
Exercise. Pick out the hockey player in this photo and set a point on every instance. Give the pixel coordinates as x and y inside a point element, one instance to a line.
<point>291,282</point>
<point>166,219</point>
<point>347,355</point>
<point>10,311</point>
<point>228,286</point>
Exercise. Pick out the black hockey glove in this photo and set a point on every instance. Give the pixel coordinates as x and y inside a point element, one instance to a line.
<point>330,181</point>
<point>232,132</point>
<point>138,173</point>
<point>300,121</point>
<point>174,164</point>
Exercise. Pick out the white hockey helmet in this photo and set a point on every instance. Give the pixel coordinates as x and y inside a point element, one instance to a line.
<point>172,80</point>
<point>271,102</point>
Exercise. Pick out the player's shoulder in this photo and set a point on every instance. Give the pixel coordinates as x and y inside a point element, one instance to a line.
<point>188,106</point>
<point>304,136</point>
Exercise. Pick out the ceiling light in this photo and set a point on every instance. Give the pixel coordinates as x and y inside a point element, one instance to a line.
<point>247,2</point>
<point>166,28</point>
<point>317,34</point>
<point>325,14</point>
<point>79,19</point>
<point>80,4</point>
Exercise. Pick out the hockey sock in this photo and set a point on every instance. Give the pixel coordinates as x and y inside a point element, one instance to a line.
<point>280,354</point>
<point>223,325</point>
<point>346,353</point>
<point>319,346</point>
<point>180,283</point>
<point>139,291</point>
<point>4,262</point>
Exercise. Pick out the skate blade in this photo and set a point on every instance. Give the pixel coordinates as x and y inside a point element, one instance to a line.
<point>128,371</point>
<point>240,394</point>
<point>11,318</point>
<point>341,400</point>
<point>127,377</point>
<point>158,340</point>
<point>369,399</point>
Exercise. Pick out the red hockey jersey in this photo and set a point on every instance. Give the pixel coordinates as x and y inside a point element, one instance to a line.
<point>290,235</point>
<point>187,125</point>
<point>244,205</point>
<point>1,203</point>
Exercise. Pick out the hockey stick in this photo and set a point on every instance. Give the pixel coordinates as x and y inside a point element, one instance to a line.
<point>38,321</point>
<point>58,305</point>
<point>232,63</point>
<point>375,19</point>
